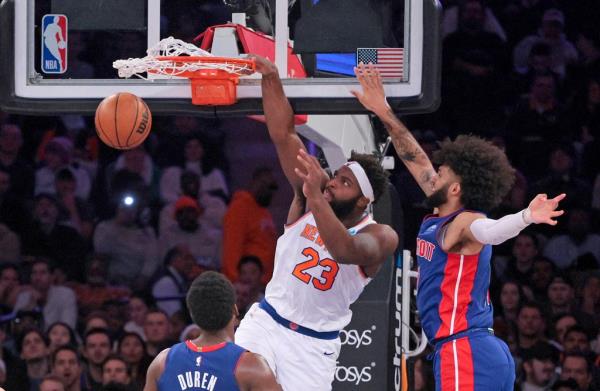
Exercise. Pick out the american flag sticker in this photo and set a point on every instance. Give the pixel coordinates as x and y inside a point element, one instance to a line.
<point>389,61</point>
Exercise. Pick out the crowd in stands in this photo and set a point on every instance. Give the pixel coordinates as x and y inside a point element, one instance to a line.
<point>97,247</point>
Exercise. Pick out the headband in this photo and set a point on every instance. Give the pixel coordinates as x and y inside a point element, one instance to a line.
<point>363,180</point>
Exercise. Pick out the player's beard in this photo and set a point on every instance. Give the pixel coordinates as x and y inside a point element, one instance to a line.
<point>438,197</point>
<point>342,209</point>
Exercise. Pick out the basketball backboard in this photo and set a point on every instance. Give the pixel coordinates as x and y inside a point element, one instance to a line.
<point>57,55</point>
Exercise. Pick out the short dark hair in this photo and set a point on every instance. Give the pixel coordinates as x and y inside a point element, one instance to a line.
<point>97,330</point>
<point>485,173</point>
<point>568,383</point>
<point>576,328</point>
<point>130,334</point>
<point>113,357</point>
<point>580,354</point>
<point>211,300</point>
<point>250,259</point>
<point>173,253</point>
<point>378,176</point>
<point>28,331</point>
<point>532,304</point>
<point>62,348</point>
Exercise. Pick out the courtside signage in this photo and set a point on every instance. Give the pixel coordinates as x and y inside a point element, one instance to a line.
<point>54,43</point>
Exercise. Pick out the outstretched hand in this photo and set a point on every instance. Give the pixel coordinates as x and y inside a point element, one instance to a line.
<point>313,175</point>
<point>263,65</point>
<point>543,210</point>
<point>373,95</point>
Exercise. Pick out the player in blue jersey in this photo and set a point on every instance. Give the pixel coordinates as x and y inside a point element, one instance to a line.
<point>212,361</point>
<point>454,246</point>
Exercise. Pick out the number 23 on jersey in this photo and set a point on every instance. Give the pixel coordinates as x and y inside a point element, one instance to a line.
<point>327,277</point>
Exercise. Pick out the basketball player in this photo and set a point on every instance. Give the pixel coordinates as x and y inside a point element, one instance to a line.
<point>324,258</point>
<point>211,361</point>
<point>454,246</point>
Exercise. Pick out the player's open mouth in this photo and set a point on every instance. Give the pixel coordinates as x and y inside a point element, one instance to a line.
<point>327,195</point>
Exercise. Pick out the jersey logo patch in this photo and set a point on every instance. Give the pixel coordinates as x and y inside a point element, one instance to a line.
<point>198,361</point>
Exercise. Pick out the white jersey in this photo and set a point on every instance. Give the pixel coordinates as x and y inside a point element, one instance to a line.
<point>308,286</point>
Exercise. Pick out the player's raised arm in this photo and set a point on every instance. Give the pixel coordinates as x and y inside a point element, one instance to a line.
<point>407,147</point>
<point>280,120</point>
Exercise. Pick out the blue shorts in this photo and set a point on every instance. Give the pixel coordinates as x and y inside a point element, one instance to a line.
<point>474,362</point>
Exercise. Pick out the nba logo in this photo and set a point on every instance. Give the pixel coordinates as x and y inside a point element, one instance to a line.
<point>54,43</point>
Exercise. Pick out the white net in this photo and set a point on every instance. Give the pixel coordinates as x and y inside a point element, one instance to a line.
<point>170,47</point>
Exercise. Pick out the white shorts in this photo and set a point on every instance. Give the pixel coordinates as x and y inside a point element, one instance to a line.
<point>298,361</point>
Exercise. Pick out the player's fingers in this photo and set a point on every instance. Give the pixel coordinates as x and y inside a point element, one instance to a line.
<point>300,174</point>
<point>357,94</point>
<point>557,213</point>
<point>559,197</point>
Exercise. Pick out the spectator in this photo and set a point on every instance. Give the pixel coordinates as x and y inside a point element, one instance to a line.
<point>97,346</point>
<point>562,323</point>
<point>563,250</point>
<point>57,155</point>
<point>531,326</point>
<point>10,285</point>
<point>59,334</point>
<point>67,366</point>
<point>49,238</point>
<point>576,340</point>
<point>137,308</point>
<point>474,60</point>
<point>490,24</point>
<point>175,281</point>
<point>133,350</point>
<point>536,119</point>
<point>213,208</point>
<point>524,250</point>
<point>590,297</point>
<point>12,207</point>
<point>52,383</point>
<point>576,366</point>
<point>212,178</point>
<point>10,245</point>
<point>21,172</point>
<point>561,177</point>
<point>115,370</point>
<point>95,292</point>
<point>561,295</point>
<point>34,351</point>
<point>137,161</point>
<point>95,320</point>
<point>202,240</point>
<point>248,227</point>
<point>131,247</point>
<point>542,272</point>
<point>539,366</point>
<point>551,33</point>
<point>539,62</point>
<point>250,271</point>
<point>57,302</point>
<point>157,330</point>
<point>511,297</point>
<point>77,212</point>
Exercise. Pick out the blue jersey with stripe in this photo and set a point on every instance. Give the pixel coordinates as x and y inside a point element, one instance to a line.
<point>453,289</point>
<point>189,367</point>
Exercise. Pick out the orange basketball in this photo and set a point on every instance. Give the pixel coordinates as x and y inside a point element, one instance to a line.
<point>123,121</point>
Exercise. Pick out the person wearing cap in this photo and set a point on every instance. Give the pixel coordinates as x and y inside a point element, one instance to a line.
<point>551,29</point>
<point>539,365</point>
<point>330,250</point>
<point>203,240</point>
<point>454,245</point>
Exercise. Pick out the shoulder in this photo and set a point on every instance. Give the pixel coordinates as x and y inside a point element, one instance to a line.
<point>251,368</point>
<point>381,232</point>
<point>63,291</point>
<point>466,218</point>
<point>157,366</point>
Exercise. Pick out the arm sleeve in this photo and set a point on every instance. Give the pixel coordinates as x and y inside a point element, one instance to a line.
<point>490,231</point>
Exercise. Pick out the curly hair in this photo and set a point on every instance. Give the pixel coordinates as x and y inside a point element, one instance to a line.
<point>210,300</point>
<point>485,172</point>
<point>378,176</point>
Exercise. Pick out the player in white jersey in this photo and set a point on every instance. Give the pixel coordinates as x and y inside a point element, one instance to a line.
<point>330,249</point>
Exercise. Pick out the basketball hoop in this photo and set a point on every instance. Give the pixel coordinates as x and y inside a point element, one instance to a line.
<point>213,79</point>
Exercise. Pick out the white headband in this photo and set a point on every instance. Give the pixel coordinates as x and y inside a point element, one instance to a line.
<point>363,180</point>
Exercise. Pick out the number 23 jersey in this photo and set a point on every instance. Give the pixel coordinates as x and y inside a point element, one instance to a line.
<point>308,286</point>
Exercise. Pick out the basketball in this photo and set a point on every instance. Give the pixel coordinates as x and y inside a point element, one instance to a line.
<point>123,121</point>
